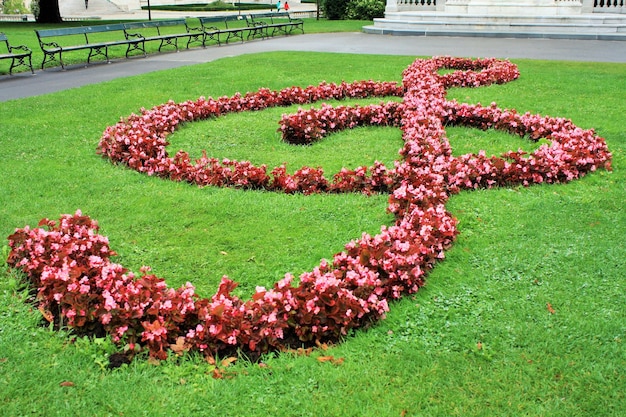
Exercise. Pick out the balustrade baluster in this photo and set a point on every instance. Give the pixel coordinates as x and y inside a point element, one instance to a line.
<point>609,4</point>
<point>417,4</point>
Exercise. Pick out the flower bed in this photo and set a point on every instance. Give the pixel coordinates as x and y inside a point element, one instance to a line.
<point>79,285</point>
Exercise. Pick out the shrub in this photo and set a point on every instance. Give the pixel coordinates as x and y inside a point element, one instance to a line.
<point>365,9</point>
<point>34,8</point>
<point>335,9</point>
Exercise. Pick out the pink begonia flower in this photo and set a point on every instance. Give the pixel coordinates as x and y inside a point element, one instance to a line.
<point>121,330</point>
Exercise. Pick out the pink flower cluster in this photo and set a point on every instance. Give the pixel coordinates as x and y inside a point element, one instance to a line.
<point>571,152</point>
<point>308,126</point>
<point>140,141</point>
<point>78,285</point>
<point>69,264</point>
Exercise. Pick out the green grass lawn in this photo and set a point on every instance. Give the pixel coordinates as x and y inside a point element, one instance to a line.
<point>478,340</point>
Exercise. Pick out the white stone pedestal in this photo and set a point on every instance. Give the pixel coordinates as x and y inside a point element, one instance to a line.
<point>559,19</point>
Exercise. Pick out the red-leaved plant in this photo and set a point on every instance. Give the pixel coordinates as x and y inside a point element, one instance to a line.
<point>78,285</point>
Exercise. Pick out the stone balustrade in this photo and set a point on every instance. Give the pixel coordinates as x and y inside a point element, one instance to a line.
<point>491,7</point>
<point>609,6</point>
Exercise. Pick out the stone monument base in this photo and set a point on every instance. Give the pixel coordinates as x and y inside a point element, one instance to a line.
<point>562,19</point>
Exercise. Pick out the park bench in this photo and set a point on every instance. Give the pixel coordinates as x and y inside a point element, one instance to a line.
<point>19,55</point>
<point>167,32</point>
<point>278,22</point>
<point>58,41</point>
<point>233,26</point>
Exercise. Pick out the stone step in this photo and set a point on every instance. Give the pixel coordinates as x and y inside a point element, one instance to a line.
<point>605,26</point>
<point>454,32</point>
<point>504,26</point>
<point>601,19</point>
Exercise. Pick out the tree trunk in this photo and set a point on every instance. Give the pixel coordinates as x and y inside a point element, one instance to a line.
<point>49,12</point>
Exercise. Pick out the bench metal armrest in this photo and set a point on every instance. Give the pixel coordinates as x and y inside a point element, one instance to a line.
<point>211,28</point>
<point>133,35</point>
<point>45,45</point>
<point>19,48</point>
<point>194,29</point>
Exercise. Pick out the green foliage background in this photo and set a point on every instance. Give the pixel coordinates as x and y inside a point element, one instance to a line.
<point>353,9</point>
<point>365,9</point>
<point>13,7</point>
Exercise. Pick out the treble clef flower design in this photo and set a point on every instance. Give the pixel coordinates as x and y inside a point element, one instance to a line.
<point>70,263</point>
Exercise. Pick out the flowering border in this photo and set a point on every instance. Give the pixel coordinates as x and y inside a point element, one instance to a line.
<point>78,285</point>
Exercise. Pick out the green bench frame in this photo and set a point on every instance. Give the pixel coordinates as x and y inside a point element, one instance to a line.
<point>20,54</point>
<point>134,35</point>
<point>151,31</point>
<point>51,48</point>
<point>278,22</point>
<point>236,30</point>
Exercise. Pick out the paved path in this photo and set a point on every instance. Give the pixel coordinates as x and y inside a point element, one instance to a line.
<point>53,79</point>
